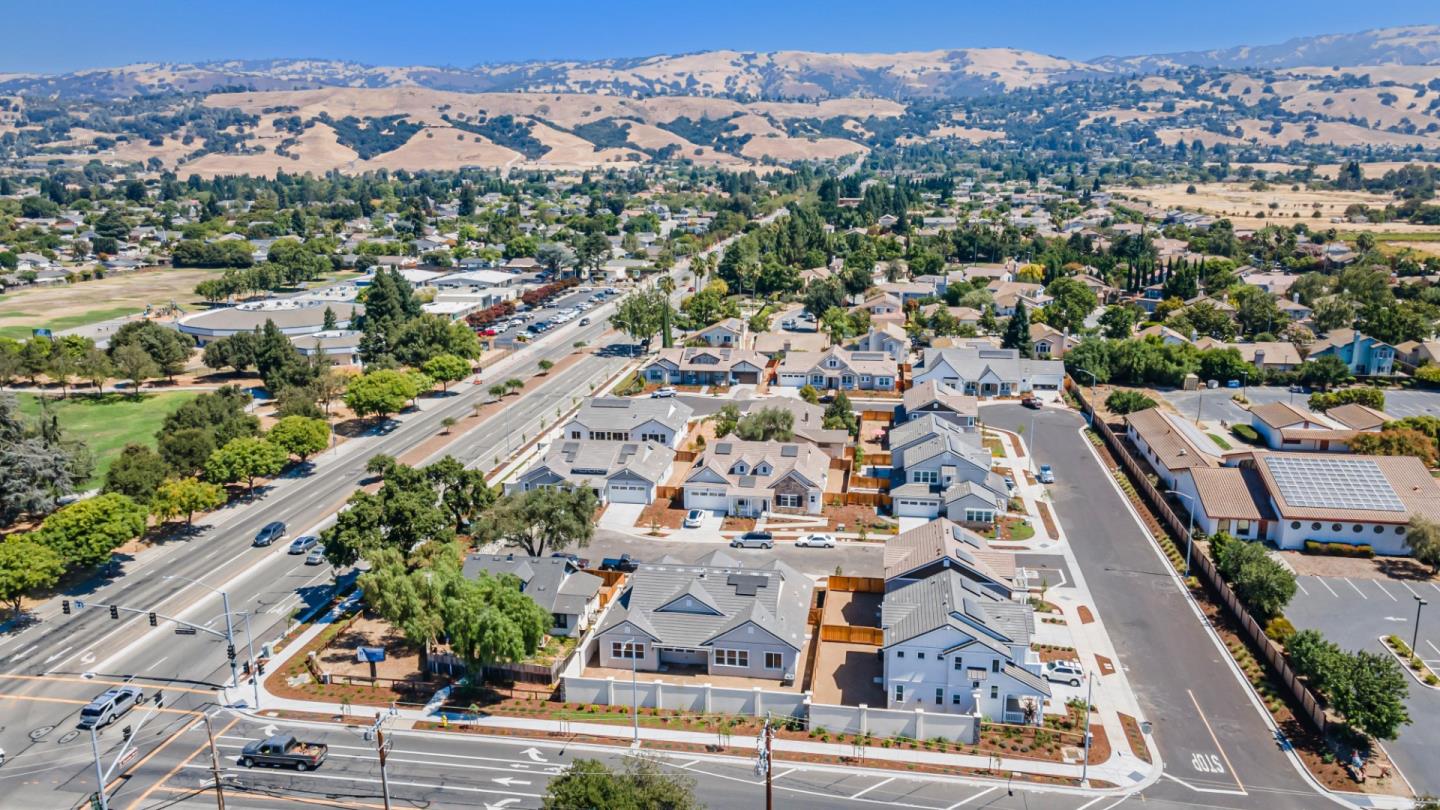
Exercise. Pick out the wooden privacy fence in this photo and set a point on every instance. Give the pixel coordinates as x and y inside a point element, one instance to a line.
<point>1201,566</point>
<point>867,499</point>
<point>877,416</point>
<point>838,582</point>
<point>866,482</point>
<point>850,634</point>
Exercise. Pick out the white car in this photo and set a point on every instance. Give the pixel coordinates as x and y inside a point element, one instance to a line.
<point>694,518</point>
<point>815,541</point>
<point>662,393</point>
<point>1064,672</point>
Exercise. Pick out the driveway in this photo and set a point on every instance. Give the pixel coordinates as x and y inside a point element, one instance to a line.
<point>1355,612</point>
<point>621,516</point>
<point>1217,748</point>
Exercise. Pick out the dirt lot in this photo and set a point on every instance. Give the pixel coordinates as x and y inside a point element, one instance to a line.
<point>1323,565</point>
<point>41,305</point>
<point>1243,206</point>
<point>401,660</point>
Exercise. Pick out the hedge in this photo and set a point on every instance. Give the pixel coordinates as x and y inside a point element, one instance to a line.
<point>1339,549</point>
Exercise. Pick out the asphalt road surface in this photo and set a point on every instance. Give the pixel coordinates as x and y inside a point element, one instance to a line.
<point>1216,747</point>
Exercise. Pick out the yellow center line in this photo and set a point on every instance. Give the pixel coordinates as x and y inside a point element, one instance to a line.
<point>182,763</point>
<point>104,681</point>
<point>75,702</point>
<point>283,800</point>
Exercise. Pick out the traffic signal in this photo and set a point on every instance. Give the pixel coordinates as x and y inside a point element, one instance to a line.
<point>126,733</point>
<point>65,606</point>
<point>230,651</point>
<point>153,622</point>
<point>114,612</point>
<point>260,667</point>
<point>159,699</point>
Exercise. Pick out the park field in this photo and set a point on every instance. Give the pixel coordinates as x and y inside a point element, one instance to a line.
<point>1251,209</point>
<point>65,306</point>
<point>108,422</point>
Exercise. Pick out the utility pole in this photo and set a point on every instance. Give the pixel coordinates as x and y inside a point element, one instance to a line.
<point>215,765</point>
<point>762,760</point>
<point>379,731</point>
<point>1089,694</point>
<point>99,774</point>
<point>254,662</point>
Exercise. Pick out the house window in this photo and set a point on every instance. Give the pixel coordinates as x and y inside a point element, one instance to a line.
<point>959,663</point>
<point>994,692</point>
<point>925,476</point>
<point>979,516</point>
<point>955,699</point>
<point>1334,527</point>
<point>899,693</point>
<point>920,655</point>
<point>1315,527</point>
<point>995,665</point>
<point>865,379</point>
<point>1379,529</point>
<point>899,653</point>
<point>732,658</point>
<point>559,620</point>
<point>574,434</point>
<point>774,660</point>
<point>939,696</point>
<point>1242,527</point>
<point>788,500</point>
<point>1294,524</point>
<point>627,649</point>
<point>1356,528</point>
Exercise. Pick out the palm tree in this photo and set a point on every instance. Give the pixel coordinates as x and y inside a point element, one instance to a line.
<point>666,284</point>
<point>514,384</point>
<point>497,390</point>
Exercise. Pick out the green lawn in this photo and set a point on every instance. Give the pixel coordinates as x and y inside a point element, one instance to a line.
<point>108,422</point>
<point>1221,443</point>
<point>65,321</point>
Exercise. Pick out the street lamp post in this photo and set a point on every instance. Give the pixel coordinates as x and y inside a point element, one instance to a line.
<point>1415,639</point>
<point>1190,535</point>
<point>1089,696</point>
<point>229,626</point>
<point>254,663</point>
<point>1090,417</point>
<point>99,774</point>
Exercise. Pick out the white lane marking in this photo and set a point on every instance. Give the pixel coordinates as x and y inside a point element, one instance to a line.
<point>1407,587</point>
<point>157,663</point>
<point>1216,740</point>
<point>963,802</point>
<point>1436,586</point>
<point>57,655</point>
<point>88,657</point>
<point>1347,581</point>
<point>687,764</point>
<point>872,787</point>
<point>1301,586</point>
<point>1222,791</point>
<point>1119,802</point>
<point>1095,800</point>
<point>23,653</point>
<point>785,773</point>
<point>1432,646</point>
<point>1382,590</point>
<point>1322,581</point>
<point>354,778</point>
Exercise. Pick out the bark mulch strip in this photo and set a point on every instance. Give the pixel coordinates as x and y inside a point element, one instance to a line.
<point>1086,616</point>
<point>1133,735</point>
<point>1047,518</point>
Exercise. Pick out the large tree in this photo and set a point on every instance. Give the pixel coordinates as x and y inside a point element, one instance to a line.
<point>25,567</point>
<point>244,460</point>
<point>447,368</point>
<point>37,466</point>
<point>543,520</point>
<point>380,393</point>
<point>85,532</point>
<point>640,315</point>
<point>1422,537</point>
<point>489,621</point>
<point>1017,332</point>
<point>300,436</point>
<point>642,784</point>
<point>183,497</point>
<point>168,348</point>
<point>137,472</point>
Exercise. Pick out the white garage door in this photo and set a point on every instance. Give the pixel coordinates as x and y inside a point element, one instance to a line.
<point>713,499</point>
<point>909,507</point>
<point>628,493</point>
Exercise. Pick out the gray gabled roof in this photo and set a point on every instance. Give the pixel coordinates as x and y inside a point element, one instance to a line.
<point>773,596</point>
<point>555,583</point>
<point>578,461</point>
<point>951,599</point>
<point>963,444</point>
<point>972,363</point>
<point>625,414</point>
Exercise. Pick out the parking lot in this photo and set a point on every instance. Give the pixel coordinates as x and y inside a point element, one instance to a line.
<point>1355,612</point>
<point>1215,405</point>
<point>505,335</point>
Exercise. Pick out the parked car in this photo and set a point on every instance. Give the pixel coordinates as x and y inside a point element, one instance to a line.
<point>1064,672</point>
<point>754,540</point>
<point>661,393</point>
<point>1046,475</point>
<point>815,541</point>
<point>584,321</point>
<point>1030,402</point>
<point>623,563</point>
<point>303,543</point>
<point>694,518</point>
<point>109,706</point>
<point>580,562</point>
<point>788,323</point>
<point>1232,384</point>
<point>284,750</point>
<point>274,530</point>
<point>316,556</point>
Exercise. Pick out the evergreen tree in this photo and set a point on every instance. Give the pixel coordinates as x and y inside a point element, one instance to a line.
<point>329,324</point>
<point>1017,332</point>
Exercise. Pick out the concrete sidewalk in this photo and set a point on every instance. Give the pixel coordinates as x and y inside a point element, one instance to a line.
<point>1122,769</point>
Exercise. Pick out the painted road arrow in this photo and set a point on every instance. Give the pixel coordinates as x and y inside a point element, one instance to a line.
<point>534,754</point>
<point>509,781</point>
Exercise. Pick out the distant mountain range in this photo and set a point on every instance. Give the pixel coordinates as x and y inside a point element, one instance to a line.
<point>788,75</point>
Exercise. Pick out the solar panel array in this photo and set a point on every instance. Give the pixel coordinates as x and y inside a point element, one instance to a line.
<point>1333,483</point>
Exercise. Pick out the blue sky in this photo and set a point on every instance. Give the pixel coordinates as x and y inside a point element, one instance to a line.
<point>50,37</point>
